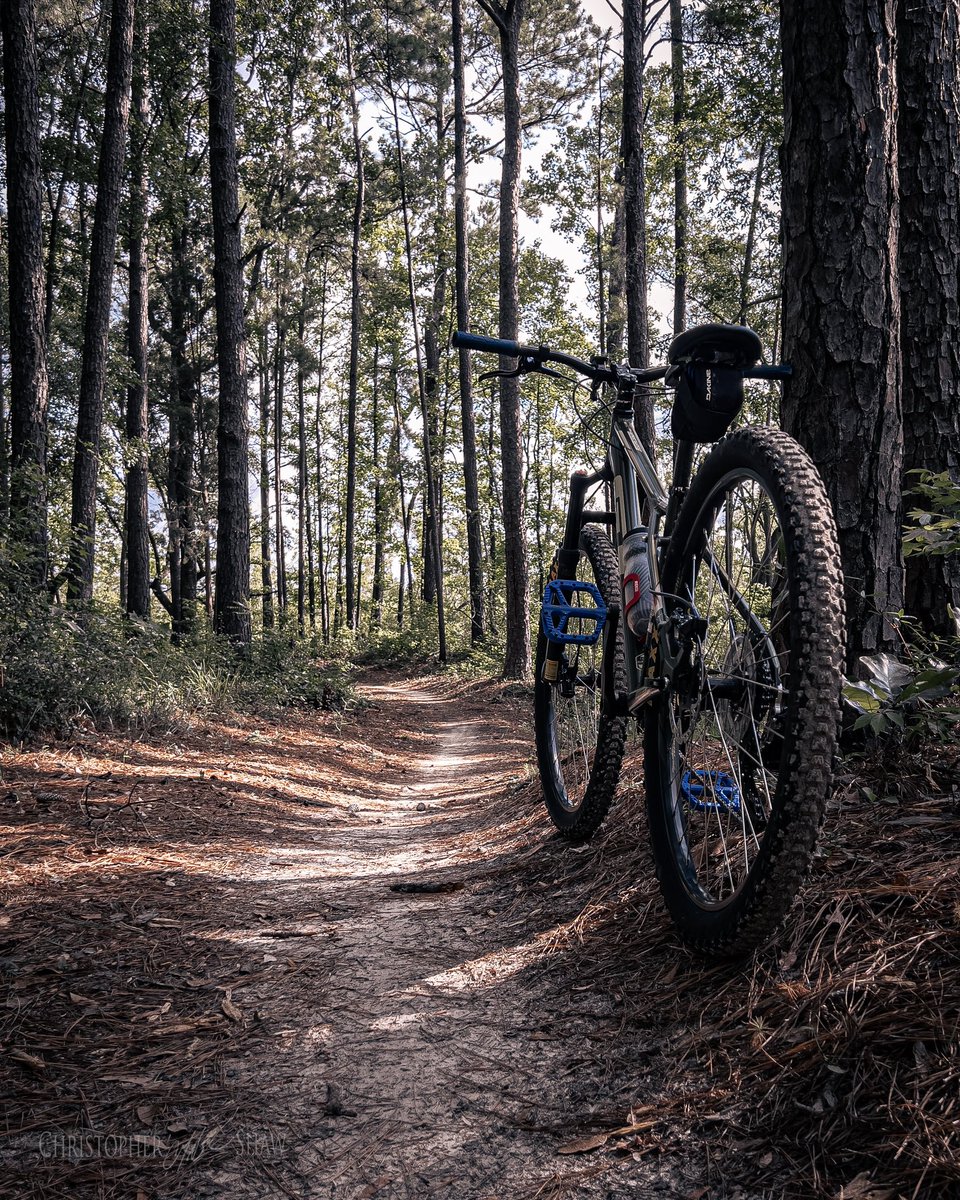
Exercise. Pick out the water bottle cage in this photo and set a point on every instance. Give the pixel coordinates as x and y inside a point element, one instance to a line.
<point>559,609</point>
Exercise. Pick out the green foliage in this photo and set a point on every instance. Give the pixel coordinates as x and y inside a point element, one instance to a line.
<point>936,525</point>
<point>60,668</point>
<point>905,697</point>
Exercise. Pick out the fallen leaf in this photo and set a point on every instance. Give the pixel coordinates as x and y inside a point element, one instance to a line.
<point>230,1009</point>
<point>28,1060</point>
<point>583,1145</point>
<point>862,1187</point>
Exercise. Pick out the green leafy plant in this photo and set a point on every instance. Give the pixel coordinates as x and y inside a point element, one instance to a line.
<point>935,527</point>
<point>894,696</point>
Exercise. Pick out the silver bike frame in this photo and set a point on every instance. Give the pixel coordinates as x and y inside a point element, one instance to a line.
<point>629,465</point>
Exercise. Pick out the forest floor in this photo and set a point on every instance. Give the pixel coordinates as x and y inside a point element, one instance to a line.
<point>340,955</point>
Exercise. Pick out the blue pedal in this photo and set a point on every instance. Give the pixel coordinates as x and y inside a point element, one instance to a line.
<point>710,791</point>
<point>559,609</point>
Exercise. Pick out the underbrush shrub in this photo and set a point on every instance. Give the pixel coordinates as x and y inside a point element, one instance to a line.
<point>60,668</point>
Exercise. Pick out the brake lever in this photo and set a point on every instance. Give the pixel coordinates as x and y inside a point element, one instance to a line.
<point>523,367</point>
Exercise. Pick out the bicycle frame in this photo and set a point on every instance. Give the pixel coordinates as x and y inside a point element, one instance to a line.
<point>639,500</point>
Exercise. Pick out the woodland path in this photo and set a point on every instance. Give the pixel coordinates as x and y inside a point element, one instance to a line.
<point>239,978</point>
<point>218,979</point>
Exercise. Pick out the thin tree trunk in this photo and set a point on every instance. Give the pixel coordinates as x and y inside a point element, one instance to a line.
<point>279,384</point>
<point>681,215</point>
<point>841,306</point>
<point>232,604</point>
<point>404,511</point>
<point>462,273</point>
<point>137,542</point>
<point>354,334</point>
<point>928,47</point>
<point>376,618</point>
<point>93,368</point>
<point>28,350</point>
<point>508,19</point>
<point>432,510</point>
<point>302,502</point>
<point>747,271</point>
<point>634,211</point>
<point>266,571</point>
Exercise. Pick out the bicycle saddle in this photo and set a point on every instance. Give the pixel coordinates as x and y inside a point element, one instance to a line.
<point>716,346</point>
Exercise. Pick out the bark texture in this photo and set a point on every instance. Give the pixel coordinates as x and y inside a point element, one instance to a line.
<point>137,525</point>
<point>462,272</point>
<point>28,349</point>
<point>928,37</point>
<point>96,327</point>
<point>354,339</point>
<point>508,19</point>
<point>232,604</point>
<point>841,305</point>
<point>634,211</point>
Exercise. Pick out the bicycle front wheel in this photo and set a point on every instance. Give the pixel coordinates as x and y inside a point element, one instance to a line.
<point>579,750</point>
<point>739,749</point>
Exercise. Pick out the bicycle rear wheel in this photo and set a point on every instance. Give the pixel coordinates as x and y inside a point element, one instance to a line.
<point>739,750</point>
<point>579,750</point>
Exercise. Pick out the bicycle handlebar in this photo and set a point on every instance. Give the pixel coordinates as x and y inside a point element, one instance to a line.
<point>489,345</point>
<point>600,372</point>
<point>536,356</point>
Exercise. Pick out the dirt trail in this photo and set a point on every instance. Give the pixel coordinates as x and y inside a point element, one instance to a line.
<point>432,1057</point>
<point>317,957</point>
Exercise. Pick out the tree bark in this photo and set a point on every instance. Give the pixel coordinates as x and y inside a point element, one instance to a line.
<point>354,336</point>
<point>462,273</point>
<point>86,462</point>
<point>279,388</point>
<point>266,572</point>
<point>137,521</point>
<point>431,525</point>
<point>929,162</point>
<point>508,18</point>
<point>634,212</point>
<point>232,604</point>
<point>749,247</point>
<point>681,214</point>
<point>181,492</point>
<point>28,348</point>
<point>841,306</point>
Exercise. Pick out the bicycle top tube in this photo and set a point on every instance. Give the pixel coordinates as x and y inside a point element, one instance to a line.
<point>532,357</point>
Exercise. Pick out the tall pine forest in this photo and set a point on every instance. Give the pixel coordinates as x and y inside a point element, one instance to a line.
<point>238,237</point>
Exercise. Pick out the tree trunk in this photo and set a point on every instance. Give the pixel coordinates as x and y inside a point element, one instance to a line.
<point>86,462</point>
<point>28,348</point>
<point>302,500</point>
<point>634,212</point>
<point>841,305</point>
<point>431,527</point>
<point>516,663</point>
<point>184,399</point>
<point>137,523</point>
<point>462,272</point>
<point>232,605</point>
<point>279,387</point>
<point>929,162</point>
<point>747,271</point>
<point>266,572</point>
<point>376,596</point>
<point>681,215</point>
<point>354,336</point>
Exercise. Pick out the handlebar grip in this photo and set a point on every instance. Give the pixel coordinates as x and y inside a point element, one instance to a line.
<point>474,341</point>
<point>783,371</point>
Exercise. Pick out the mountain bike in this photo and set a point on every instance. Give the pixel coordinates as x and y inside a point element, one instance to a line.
<point>711,611</point>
